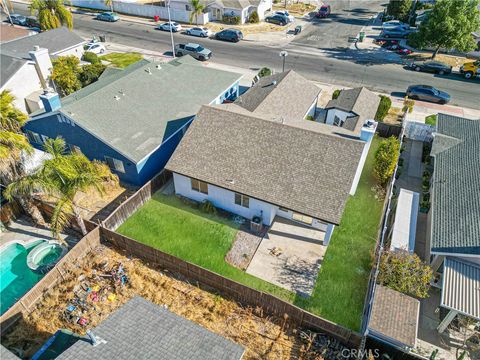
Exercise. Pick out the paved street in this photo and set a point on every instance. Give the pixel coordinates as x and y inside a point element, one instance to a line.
<point>343,67</point>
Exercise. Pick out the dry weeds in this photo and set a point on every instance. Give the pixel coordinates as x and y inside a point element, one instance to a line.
<point>263,337</point>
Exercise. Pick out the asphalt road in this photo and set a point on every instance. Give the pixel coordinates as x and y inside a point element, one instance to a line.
<point>344,68</point>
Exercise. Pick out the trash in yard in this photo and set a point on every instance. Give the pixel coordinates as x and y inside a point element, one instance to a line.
<point>275,251</point>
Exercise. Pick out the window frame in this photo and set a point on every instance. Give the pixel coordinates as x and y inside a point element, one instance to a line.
<point>243,200</point>
<point>113,164</point>
<point>199,186</point>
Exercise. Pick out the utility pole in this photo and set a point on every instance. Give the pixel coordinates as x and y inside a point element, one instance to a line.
<point>170,27</point>
<point>5,8</point>
<point>284,55</point>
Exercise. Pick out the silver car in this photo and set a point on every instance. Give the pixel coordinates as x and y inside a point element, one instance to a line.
<point>198,31</point>
<point>195,50</point>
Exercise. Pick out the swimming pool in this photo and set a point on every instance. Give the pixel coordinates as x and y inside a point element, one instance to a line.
<point>16,278</point>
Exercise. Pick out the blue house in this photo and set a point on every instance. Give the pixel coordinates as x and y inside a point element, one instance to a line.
<point>133,119</point>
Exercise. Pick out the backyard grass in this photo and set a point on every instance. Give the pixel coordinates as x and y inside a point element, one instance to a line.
<point>343,278</point>
<point>122,60</point>
<point>168,224</point>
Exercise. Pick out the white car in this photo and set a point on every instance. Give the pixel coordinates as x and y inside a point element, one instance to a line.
<point>173,25</point>
<point>286,14</point>
<point>395,24</point>
<point>94,47</point>
<point>198,31</point>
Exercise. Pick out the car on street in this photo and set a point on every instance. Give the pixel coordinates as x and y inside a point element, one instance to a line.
<point>107,16</point>
<point>198,31</point>
<point>286,14</point>
<point>394,33</point>
<point>277,19</point>
<point>170,25</point>
<point>232,35</point>
<point>395,24</point>
<point>32,22</point>
<point>195,50</point>
<point>18,19</point>
<point>94,47</point>
<point>427,93</point>
<point>323,11</point>
<point>436,67</point>
<point>470,69</point>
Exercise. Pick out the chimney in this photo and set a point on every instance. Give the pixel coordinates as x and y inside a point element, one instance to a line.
<point>95,340</point>
<point>50,100</point>
<point>368,130</point>
<point>43,64</point>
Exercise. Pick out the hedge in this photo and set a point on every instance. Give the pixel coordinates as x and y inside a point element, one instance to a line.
<point>383,107</point>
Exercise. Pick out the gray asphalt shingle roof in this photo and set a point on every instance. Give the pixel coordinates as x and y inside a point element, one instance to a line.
<point>456,186</point>
<point>10,66</point>
<point>285,95</point>
<point>306,171</point>
<point>135,110</point>
<point>54,40</point>
<point>142,330</point>
<point>5,354</point>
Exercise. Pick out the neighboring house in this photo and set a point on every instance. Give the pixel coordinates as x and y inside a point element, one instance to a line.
<point>352,108</point>
<point>140,329</point>
<point>133,119</point>
<point>258,166</point>
<point>283,95</point>
<point>11,32</point>
<point>26,64</point>
<point>455,215</point>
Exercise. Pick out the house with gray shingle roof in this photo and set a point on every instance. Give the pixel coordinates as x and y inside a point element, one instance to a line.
<point>262,167</point>
<point>134,118</point>
<point>455,215</point>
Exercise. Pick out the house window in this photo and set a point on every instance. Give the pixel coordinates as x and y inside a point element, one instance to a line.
<point>242,200</point>
<point>337,121</point>
<point>199,186</point>
<point>75,149</point>
<point>115,164</point>
<point>188,8</point>
<point>34,137</point>
<point>302,218</point>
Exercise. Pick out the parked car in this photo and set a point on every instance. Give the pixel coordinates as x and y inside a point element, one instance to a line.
<point>32,22</point>
<point>436,67</point>
<point>470,69</point>
<point>94,47</point>
<point>394,33</point>
<point>173,25</point>
<point>427,93</point>
<point>232,35</point>
<point>195,50</point>
<point>323,11</point>
<point>395,24</point>
<point>198,31</point>
<point>286,14</point>
<point>277,19</point>
<point>107,16</point>
<point>18,19</point>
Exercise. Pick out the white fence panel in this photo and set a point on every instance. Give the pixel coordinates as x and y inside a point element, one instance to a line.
<point>419,131</point>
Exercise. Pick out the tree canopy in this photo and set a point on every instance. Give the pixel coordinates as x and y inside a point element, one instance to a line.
<point>51,14</point>
<point>386,158</point>
<point>197,9</point>
<point>399,9</point>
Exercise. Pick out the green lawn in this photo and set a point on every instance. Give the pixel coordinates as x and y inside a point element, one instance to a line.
<point>122,60</point>
<point>178,229</point>
<point>166,223</point>
<point>342,282</point>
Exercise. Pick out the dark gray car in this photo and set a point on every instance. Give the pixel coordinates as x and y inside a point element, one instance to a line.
<point>195,50</point>
<point>436,67</point>
<point>427,93</point>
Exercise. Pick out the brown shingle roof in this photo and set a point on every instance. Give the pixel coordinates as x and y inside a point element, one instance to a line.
<point>9,32</point>
<point>299,169</point>
<point>395,316</point>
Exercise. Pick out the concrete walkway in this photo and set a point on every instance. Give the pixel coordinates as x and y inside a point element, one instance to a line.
<point>415,159</point>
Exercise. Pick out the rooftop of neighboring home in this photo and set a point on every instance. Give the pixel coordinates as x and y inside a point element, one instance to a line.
<point>456,186</point>
<point>359,101</point>
<point>394,317</point>
<point>5,354</point>
<point>10,66</point>
<point>289,166</point>
<point>137,109</point>
<point>11,32</point>
<point>232,4</point>
<point>55,40</point>
<point>141,329</point>
<point>285,95</point>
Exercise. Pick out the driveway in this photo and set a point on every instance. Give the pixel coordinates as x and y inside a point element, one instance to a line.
<point>289,256</point>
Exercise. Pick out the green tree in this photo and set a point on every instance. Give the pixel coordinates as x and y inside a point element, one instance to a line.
<point>265,71</point>
<point>399,9</point>
<point>383,107</point>
<point>62,177</point>
<point>51,14</point>
<point>90,73</point>
<point>405,272</point>
<point>65,74</point>
<point>449,26</point>
<point>197,9</point>
<point>254,19</point>
<point>386,158</point>
<point>109,3</point>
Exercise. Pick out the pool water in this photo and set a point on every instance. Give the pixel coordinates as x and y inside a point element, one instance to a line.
<point>16,278</point>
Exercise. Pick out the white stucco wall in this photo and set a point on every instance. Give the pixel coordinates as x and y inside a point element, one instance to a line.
<point>263,7</point>
<point>75,50</point>
<point>335,112</point>
<point>312,108</point>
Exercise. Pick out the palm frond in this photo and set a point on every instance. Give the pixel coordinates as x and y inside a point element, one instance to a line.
<point>55,147</point>
<point>11,143</point>
<point>60,217</point>
<point>11,118</point>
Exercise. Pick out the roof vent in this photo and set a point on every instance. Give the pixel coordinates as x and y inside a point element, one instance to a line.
<point>274,82</point>
<point>230,181</point>
<point>121,92</point>
<point>116,97</point>
<point>148,71</point>
<point>95,339</point>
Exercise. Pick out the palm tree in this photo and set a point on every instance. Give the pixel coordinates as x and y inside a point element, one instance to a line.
<point>197,9</point>
<point>51,14</point>
<point>62,177</point>
<point>109,3</point>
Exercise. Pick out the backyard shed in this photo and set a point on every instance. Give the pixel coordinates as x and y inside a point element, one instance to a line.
<point>405,226</point>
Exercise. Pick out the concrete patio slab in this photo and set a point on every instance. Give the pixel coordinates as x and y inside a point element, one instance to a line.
<point>289,256</point>
<point>415,159</point>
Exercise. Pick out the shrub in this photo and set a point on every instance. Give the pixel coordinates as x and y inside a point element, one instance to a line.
<point>254,19</point>
<point>386,158</point>
<point>408,104</point>
<point>336,94</point>
<point>431,120</point>
<point>231,19</point>
<point>383,107</point>
<point>90,57</point>
<point>405,272</point>
<point>310,117</point>
<point>207,207</point>
<point>65,74</point>
<point>90,73</point>
<point>264,72</point>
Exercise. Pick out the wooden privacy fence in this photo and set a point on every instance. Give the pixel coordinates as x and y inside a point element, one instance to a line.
<point>239,292</point>
<point>386,130</point>
<point>134,202</point>
<point>28,301</point>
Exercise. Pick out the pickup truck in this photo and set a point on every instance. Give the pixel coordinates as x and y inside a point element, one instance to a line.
<point>470,70</point>
<point>195,50</point>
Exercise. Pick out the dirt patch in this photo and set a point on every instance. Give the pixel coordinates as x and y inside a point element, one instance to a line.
<point>243,248</point>
<point>298,9</point>
<point>263,337</point>
<point>246,28</point>
<point>394,116</point>
<point>455,61</point>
